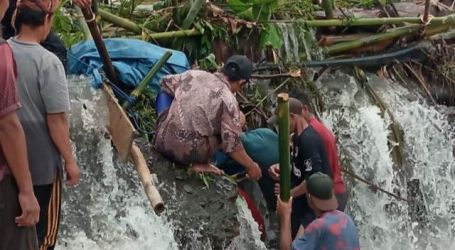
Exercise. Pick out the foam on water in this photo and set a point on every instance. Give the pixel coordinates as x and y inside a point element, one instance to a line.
<point>109,209</point>
<point>383,221</point>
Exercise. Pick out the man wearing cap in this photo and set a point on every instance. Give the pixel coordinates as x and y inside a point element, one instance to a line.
<point>308,157</point>
<point>204,117</point>
<point>332,229</point>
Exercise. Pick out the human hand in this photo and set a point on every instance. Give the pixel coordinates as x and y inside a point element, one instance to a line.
<point>83,4</point>
<point>283,209</point>
<point>254,172</point>
<point>274,171</point>
<point>73,173</point>
<point>276,189</point>
<point>30,210</point>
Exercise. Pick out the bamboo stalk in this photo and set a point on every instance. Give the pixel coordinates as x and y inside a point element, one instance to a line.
<point>83,24</point>
<point>192,13</point>
<point>146,179</point>
<point>144,83</point>
<point>328,8</point>
<point>366,21</point>
<point>426,11</point>
<point>97,38</point>
<point>171,34</point>
<point>120,21</point>
<point>283,139</point>
<point>341,47</point>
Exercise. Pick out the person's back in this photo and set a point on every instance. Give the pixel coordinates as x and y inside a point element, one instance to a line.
<point>333,159</point>
<point>42,89</point>
<point>333,230</point>
<point>202,109</point>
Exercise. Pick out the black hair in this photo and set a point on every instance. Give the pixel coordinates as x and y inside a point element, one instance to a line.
<point>302,97</point>
<point>231,71</point>
<point>30,17</point>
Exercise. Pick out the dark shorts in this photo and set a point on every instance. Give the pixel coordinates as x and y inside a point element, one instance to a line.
<point>49,199</point>
<point>12,236</point>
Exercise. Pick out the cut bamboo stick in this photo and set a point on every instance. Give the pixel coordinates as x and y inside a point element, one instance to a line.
<point>146,179</point>
<point>144,83</point>
<point>283,139</point>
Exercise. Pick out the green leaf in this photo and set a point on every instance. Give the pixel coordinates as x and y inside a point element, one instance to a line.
<point>270,36</point>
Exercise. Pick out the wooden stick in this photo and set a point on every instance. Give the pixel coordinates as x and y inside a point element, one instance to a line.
<point>97,38</point>
<point>146,179</point>
<point>355,176</point>
<point>426,11</point>
<point>283,139</point>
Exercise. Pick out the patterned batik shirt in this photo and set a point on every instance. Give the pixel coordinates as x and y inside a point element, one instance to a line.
<point>332,231</point>
<point>204,108</point>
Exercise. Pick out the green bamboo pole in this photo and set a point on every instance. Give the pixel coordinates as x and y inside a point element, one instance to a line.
<point>328,8</point>
<point>144,83</point>
<point>402,31</point>
<point>341,47</point>
<point>283,140</point>
<point>84,26</point>
<point>120,21</point>
<point>171,34</point>
<point>192,13</point>
<point>366,21</point>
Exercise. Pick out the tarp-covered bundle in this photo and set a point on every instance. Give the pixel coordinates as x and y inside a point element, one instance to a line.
<point>132,60</point>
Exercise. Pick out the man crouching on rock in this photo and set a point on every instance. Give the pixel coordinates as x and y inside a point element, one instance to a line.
<point>204,117</point>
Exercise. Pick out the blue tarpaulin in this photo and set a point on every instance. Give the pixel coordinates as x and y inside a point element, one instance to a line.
<point>132,59</point>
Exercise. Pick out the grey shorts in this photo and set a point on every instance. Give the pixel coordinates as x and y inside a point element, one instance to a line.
<point>12,236</point>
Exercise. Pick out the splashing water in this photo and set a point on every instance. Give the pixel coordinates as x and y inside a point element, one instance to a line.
<point>383,221</point>
<point>109,209</point>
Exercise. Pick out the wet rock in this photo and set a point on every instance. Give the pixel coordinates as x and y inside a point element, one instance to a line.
<point>203,217</point>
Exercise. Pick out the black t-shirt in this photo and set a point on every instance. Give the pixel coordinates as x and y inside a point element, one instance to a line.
<point>308,156</point>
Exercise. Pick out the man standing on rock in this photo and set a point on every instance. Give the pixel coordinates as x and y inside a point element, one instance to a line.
<point>19,209</point>
<point>308,157</point>
<point>43,92</point>
<point>204,117</point>
<point>330,148</point>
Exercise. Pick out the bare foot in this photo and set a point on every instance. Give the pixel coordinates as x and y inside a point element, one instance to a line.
<point>206,168</point>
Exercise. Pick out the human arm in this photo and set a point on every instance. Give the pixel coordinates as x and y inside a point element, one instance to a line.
<point>284,210</point>
<point>12,141</point>
<point>54,93</point>
<point>231,140</point>
<point>59,132</point>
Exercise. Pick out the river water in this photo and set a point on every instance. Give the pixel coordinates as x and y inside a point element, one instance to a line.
<point>109,210</point>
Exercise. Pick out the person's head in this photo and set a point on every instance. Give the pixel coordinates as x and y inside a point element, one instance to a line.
<point>34,17</point>
<point>4,4</point>
<point>320,193</point>
<point>238,70</point>
<point>306,102</point>
<point>296,115</point>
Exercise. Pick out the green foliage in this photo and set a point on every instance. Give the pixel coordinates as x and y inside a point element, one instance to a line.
<point>66,27</point>
<point>258,10</point>
<point>208,63</point>
<point>270,36</point>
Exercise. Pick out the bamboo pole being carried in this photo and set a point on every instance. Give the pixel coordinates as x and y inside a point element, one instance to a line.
<point>283,140</point>
<point>146,179</point>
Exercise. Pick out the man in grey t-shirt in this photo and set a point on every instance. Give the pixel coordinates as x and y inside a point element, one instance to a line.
<point>43,93</point>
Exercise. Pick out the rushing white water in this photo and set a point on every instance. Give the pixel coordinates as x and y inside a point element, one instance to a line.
<point>383,221</point>
<point>109,209</point>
